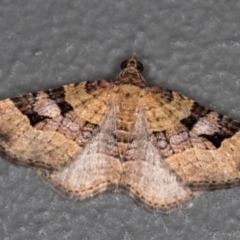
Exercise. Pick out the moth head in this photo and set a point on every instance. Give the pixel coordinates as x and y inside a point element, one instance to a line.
<point>131,72</point>
<point>132,64</point>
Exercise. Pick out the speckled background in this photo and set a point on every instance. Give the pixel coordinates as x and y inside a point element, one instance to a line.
<point>188,46</point>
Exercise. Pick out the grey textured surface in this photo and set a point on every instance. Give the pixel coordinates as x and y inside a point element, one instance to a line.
<point>189,46</point>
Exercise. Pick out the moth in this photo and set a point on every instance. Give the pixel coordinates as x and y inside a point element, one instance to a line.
<point>154,144</point>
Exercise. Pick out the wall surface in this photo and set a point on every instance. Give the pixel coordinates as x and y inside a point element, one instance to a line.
<point>188,46</point>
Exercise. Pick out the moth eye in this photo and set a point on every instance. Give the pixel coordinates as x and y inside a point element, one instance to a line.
<point>139,67</point>
<point>124,64</point>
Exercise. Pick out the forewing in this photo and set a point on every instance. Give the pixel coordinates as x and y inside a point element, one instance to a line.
<point>50,128</point>
<point>201,146</point>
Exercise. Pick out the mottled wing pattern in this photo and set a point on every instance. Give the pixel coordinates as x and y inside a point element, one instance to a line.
<point>50,128</point>
<point>154,144</point>
<point>199,145</point>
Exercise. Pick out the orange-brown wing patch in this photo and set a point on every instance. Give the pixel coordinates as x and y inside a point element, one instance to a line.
<point>46,129</point>
<point>198,144</point>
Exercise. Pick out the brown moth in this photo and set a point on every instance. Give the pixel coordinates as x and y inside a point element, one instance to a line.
<point>155,144</point>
